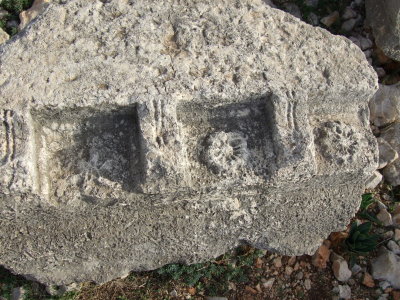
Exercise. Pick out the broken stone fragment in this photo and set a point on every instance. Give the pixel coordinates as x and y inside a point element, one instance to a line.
<point>321,257</point>
<point>396,235</point>
<point>374,180</point>
<point>330,19</point>
<point>385,217</point>
<point>387,267</point>
<point>344,292</point>
<point>340,268</point>
<point>37,8</point>
<point>130,140</point>
<point>387,154</point>
<point>394,247</point>
<point>368,280</point>
<point>385,105</point>
<point>391,171</point>
<point>3,36</point>
<point>383,16</point>
<point>349,13</point>
<point>349,25</point>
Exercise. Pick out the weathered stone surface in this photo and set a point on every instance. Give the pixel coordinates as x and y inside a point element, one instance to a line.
<point>387,154</point>
<point>340,268</point>
<point>3,36</point>
<point>387,267</point>
<point>140,133</point>
<point>391,135</point>
<point>384,18</point>
<point>374,180</point>
<point>321,256</point>
<point>385,105</point>
<point>37,8</point>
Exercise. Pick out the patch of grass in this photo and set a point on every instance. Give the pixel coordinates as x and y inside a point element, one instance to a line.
<point>366,201</point>
<point>213,277</point>
<point>8,282</point>
<point>209,278</point>
<point>360,241</point>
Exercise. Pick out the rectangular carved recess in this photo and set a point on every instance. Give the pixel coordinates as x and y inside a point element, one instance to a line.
<point>242,136</point>
<point>76,145</point>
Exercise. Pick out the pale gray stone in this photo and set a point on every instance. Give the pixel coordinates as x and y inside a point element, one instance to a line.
<point>394,247</point>
<point>29,15</point>
<point>387,267</point>
<point>349,24</point>
<point>3,12</point>
<point>313,19</point>
<point>374,180</point>
<point>387,154</point>
<point>269,2</point>
<point>380,204</point>
<point>368,53</point>
<point>344,292</point>
<point>349,13</point>
<point>384,18</point>
<point>396,236</point>
<point>392,171</point>
<point>380,71</point>
<point>385,105</point>
<point>111,117</point>
<point>384,285</point>
<point>268,283</point>
<point>356,269</point>
<point>341,270</point>
<point>307,284</point>
<point>292,9</point>
<point>365,43</point>
<point>355,40</point>
<point>385,217</point>
<point>3,36</point>
<point>340,267</point>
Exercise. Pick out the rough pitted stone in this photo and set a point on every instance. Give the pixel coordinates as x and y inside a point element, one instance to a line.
<point>385,105</point>
<point>391,135</point>
<point>387,267</point>
<point>112,113</point>
<point>3,36</point>
<point>387,154</point>
<point>37,8</point>
<point>384,18</point>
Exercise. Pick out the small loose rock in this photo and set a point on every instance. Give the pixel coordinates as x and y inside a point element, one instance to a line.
<point>396,235</point>
<point>3,36</point>
<point>368,280</point>
<point>307,284</point>
<point>385,217</point>
<point>330,19</point>
<point>394,247</point>
<point>349,13</point>
<point>321,256</point>
<point>278,262</point>
<point>268,283</point>
<point>341,269</point>
<point>349,25</point>
<point>344,292</point>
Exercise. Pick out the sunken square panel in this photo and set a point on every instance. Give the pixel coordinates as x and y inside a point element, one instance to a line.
<point>87,152</point>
